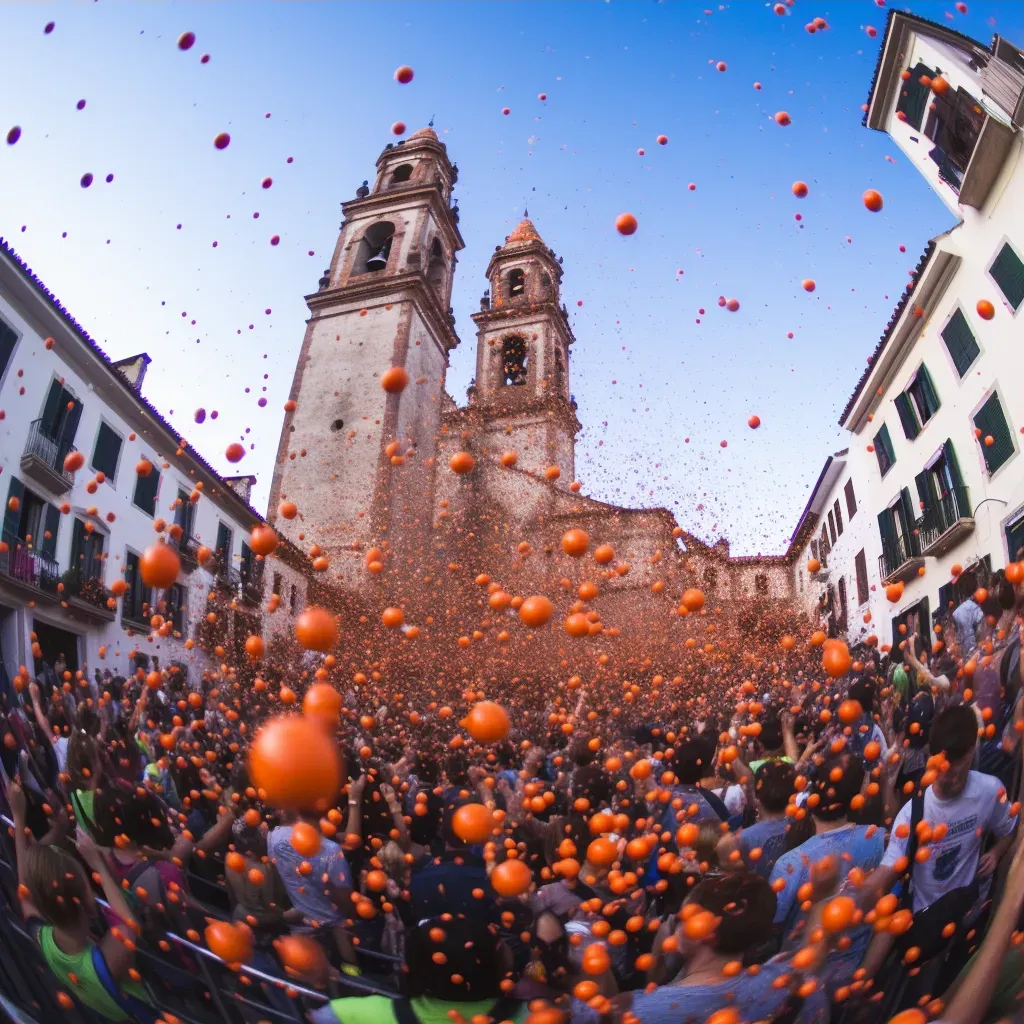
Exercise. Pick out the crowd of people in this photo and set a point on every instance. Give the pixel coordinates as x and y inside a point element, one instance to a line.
<point>798,839</point>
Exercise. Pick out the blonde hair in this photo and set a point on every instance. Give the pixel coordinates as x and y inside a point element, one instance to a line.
<point>392,860</point>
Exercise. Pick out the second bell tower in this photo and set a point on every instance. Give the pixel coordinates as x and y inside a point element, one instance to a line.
<point>522,358</point>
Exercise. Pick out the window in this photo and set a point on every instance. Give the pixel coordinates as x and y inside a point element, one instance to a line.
<point>107,451</point>
<point>145,490</point>
<point>374,248</point>
<point>175,608</point>
<point>959,340</point>
<point>710,578</point>
<point>842,603</point>
<point>913,99</point>
<point>277,583</point>
<point>1015,539</point>
<point>824,547</point>
<point>883,450</point>
<point>918,404</point>
<point>831,526</point>
<point>246,566</point>
<point>133,605</point>
<point>896,525</point>
<point>922,393</point>
<point>851,501</point>
<point>861,565</point>
<point>59,422</point>
<point>761,584</point>
<point>184,516</point>
<point>86,552</point>
<point>995,438</point>
<point>403,172</point>
<point>839,517</point>
<point>941,489</point>
<point>223,548</point>
<point>437,270</point>
<point>293,600</point>
<point>1007,271</point>
<point>514,361</point>
<point>516,283</point>
<point>8,343</point>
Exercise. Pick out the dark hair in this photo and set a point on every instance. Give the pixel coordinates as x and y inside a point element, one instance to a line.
<point>56,884</point>
<point>863,691</point>
<point>472,952</point>
<point>581,753</point>
<point>954,732</point>
<point>834,795</point>
<point>774,784</point>
<point>457,770</point>
<point>744,902</point>
<point>592,782</point>
<point>1005,593</point>
<point>771,732</point>
<point>140,816</point>
<point>693,759</point>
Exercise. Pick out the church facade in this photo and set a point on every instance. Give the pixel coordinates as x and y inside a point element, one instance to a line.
<point>373,472</point>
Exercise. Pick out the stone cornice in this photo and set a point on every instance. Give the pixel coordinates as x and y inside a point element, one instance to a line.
<point>394,287</point>
<point>395,195</point>
<point>549,311</point>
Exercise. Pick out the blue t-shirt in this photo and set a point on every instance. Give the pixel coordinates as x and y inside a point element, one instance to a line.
<point>754,996</point>
<point>854,847</point>
<point>767,836</point>
<point>308,892</point>
<point>706,811</point>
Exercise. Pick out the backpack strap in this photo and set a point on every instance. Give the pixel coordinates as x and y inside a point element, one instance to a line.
<point>916,817</point>
<point>404,1013</point>
<point>134,1009</point>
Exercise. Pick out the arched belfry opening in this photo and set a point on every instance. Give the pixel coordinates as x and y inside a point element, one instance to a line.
<point>374,248</point>
<point>514,361</point>
<point>436,268</point>
<point>403,172</point>
<point>516,283</point>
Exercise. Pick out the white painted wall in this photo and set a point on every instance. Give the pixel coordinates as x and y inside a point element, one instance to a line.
<point>999,367</point>
<point>22,393</point>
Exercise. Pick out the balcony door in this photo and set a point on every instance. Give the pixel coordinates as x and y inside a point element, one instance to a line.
<point>59,421</point>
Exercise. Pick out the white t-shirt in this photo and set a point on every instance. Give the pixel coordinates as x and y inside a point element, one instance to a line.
<point>60,748</point>
<point>981,808</point>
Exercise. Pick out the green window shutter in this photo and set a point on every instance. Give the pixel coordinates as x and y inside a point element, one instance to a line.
<point>51,526</point>
<point>883,450</point>
<point>924,490</point>
<point>907,417</point>
<point>77,545</point>
<point>909,522</point>
<point>8,343</point>
<point>146,488</point>
<point>12,517</point>
<point>959,340</point>
<point>886,531</point>
<point>1008,272</point>
<point>990,420</point>
<point>931,396</point>
<point>951,461</point>
<point>913,98</point>
<point>107,451</point>
<point>51,410</point>
<point>223,549</point>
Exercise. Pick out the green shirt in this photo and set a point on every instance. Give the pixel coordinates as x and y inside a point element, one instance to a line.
<point>86,800</point>
<point>900,681</point>
<point>88,989</point>
<point>379,1010</point>
<point>754,765</point>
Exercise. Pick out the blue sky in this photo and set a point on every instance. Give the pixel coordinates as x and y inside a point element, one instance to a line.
<point>657,391</point>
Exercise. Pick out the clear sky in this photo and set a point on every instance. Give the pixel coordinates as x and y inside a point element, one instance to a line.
<point>657,390</point>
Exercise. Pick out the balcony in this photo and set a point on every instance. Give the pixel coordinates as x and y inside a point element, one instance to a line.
<point>26,570</point>
<point>252,585</point>
<point>899,561</point>
<point>43,462</point>
<point>187,548</point>
<point>228,579</point>
<point>84,593</point>
<point>941,528</point>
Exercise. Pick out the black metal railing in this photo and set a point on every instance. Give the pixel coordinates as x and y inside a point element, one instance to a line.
<point>896,553</point>
<point>229,579</point>
<point>252,584</point>
<point>951,507</point>
<point>47,449</point>
<point>26,564</point>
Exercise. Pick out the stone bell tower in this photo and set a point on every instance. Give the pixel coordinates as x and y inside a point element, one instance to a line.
<point>522,359</point>
<point>385,301</point>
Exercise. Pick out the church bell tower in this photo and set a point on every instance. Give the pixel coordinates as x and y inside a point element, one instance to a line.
<point>522,359</point>
<point>358,460</point>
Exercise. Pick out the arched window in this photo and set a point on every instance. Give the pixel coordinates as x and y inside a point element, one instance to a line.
<point>761,584</point>
<point>374,248</point>
<point>436,268</point>
<point>514,361</point>
<point>516,283</point>
<point>403,172</point>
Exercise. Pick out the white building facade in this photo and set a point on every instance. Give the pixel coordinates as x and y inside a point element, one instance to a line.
<point>68,537</point>
<point>937,418</point>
